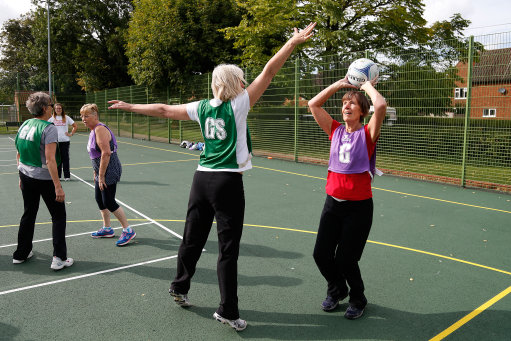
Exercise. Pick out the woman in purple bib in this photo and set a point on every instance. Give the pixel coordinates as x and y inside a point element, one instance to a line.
<point>348,211</point>
<point>102,148</point>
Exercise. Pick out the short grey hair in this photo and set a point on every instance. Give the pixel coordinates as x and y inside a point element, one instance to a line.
<point>36,103</point>
<point>226,82</point>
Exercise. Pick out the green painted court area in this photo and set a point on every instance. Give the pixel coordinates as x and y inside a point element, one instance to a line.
<point>436,266</point>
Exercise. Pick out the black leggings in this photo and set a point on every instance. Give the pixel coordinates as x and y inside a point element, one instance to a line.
<point>342,235</point>
<point>32,190</point>
<point>106,197</point>
<point>64,156</point>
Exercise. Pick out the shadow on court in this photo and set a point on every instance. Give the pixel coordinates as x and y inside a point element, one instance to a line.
<point>378,323</point>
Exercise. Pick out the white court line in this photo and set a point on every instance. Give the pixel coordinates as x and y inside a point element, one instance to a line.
<point>84,276</point>
<point>71,235</point>
<point>8,165</point>
<point>134,210</point>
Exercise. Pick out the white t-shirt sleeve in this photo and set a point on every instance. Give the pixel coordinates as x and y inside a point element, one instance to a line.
<point>51,119</point>
<point>69,120</point>
<point>192,109</point>
<point>241,104</point>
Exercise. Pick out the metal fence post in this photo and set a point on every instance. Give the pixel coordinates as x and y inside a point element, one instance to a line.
<point>169,121</point>
<point>17,100</point>
<point>148,117</point>
<point>467,110</point>
<point>106,108</point>
<point>180,125</point>
<point>207,85</point>
<point>118,123</point>
<point>297,102</point>
<point>131,101</point>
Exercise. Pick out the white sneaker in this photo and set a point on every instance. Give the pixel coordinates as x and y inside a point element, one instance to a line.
<point>58,264</point>
<point>67,179</point>
<point>19,261</point>
<point>237,324</point>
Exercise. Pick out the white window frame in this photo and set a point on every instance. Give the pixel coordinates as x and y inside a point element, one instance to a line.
<point>489,112</point>
<point>460,93</point>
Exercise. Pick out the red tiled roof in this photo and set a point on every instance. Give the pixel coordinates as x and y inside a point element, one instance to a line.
<point>493,66</point>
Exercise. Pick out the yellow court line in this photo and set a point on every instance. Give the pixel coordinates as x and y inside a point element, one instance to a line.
<point>153,162</point>
<point>470,316</point>
<point>286,172</point>
<point>442,200</point>
<point>322,178</point>
<point>281,228</point>
<point>397,247</point>
<point>124,164</point>
<point>166,150</point>
<point>391,191</point>
<point>94,220</point>
<point>311,232</point>
<point>441,256</point>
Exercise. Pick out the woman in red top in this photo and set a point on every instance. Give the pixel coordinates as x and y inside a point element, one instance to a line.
<point>348,211</point>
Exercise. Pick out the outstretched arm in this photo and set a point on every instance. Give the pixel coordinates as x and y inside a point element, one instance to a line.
<point>261,83</point>
<point>321,116</point>
<point>380,109</point>
<point>174,112</point>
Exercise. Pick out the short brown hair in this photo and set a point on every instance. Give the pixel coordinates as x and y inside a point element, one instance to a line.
<point>362,101</point>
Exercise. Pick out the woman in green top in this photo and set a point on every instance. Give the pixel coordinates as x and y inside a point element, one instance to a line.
<point>217,188</point>
<point>37,158</point>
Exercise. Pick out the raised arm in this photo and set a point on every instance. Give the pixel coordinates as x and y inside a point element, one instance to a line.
<point>261,83</point>
<point>174,112</point>
<point>321,116</point>
<point>380,109</point>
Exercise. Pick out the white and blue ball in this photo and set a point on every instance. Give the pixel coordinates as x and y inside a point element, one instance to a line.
<point>361,71</point>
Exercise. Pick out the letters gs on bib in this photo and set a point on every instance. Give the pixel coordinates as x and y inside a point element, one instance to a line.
<point>215,129</point>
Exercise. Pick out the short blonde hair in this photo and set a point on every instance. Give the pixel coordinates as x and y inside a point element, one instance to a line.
<point>89,108</point>
<point>226,82</point>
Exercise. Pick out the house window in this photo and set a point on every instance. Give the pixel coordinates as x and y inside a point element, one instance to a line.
<point>489,112</point>
<point>460,93</point>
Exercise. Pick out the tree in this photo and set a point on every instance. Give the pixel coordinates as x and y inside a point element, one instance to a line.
<point>87,45</point>
<point>343,26</point>
<point>182,40</point>
<point>15,64</point>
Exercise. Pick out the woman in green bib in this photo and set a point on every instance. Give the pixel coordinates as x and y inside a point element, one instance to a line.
<point>217,189</point>
<point>37,158</point>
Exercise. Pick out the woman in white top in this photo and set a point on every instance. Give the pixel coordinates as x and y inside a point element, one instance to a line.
<point>217,188</point>
<point>62,122</point>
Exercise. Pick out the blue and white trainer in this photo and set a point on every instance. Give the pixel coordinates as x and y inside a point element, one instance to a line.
<point>125,238</point>
<point>103,233</point>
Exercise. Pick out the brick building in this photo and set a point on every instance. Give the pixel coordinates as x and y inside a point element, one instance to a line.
<point>491,85</point>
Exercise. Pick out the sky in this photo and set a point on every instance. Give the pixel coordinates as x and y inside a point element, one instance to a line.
<point>487,16</point>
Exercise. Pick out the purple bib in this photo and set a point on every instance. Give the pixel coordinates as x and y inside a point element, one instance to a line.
<point>92,147</point>
<point>348,152</point>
